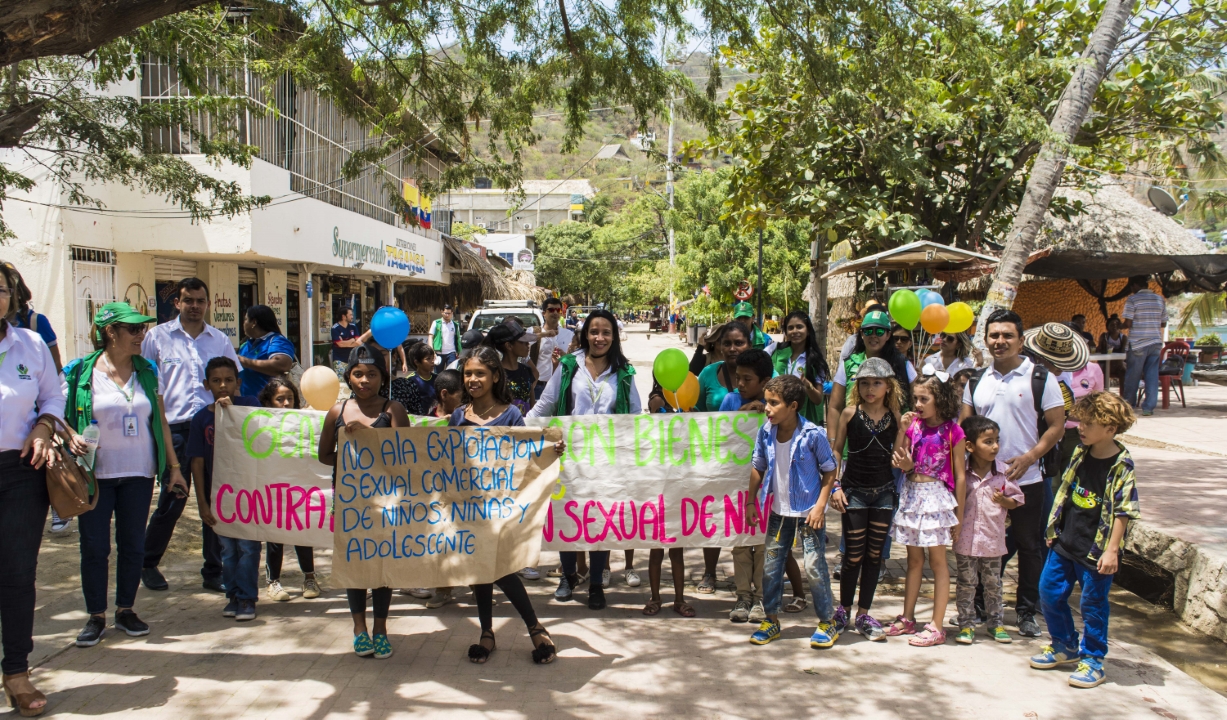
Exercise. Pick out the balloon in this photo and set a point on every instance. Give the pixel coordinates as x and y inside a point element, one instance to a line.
<point>319,386</point>
<point>905,308</point>
<point>961,317</point>
<point>687,395</point>
<point>670,369</point>
<point>389,327</point>
<point>934,318</point>
<point>928,297</point>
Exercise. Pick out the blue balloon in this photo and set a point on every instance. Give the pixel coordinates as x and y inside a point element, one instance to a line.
<point>928,297</point>
<point>389,327</point>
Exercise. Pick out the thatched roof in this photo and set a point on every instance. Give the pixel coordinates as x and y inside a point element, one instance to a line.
<point>1114,221</point>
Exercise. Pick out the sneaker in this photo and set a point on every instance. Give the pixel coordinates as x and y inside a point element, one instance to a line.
<point>767,632</point>
<point>840,620</point>
<point>438,600</point>
<point>564,591</point>
<point>247,610</point>
<point>757,613</point>
<point>632,578</point>
<point>1050,657</point>
<point>605,578</point>
<point>1145,413</point>
<point>363,647</point>
<point>555,573</point>
<point>153,579</point>
<point>1000,635</point>
<point>127,621</point>
<point>741,611</point>
<point>529,573</point>
<point>1088,675</point>
<point>310,588</point>
<point>59,526</point>
<point>93,631</point>
<point>1027,627</point>
<point>419,593</point>
<point>383,647</point>
<point>231,609</point>
<point>213,584</point>
<point>869,627</point>
<point>966,636</point>
<point>276,592</point>
<point>825,636</point>
<point>596,597</point>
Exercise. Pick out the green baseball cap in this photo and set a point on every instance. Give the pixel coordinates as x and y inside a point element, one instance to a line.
<point>114,312</point>
<point>743,309</point>
<point>876,318</point>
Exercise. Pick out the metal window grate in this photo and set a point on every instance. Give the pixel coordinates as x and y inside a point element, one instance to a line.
<point>92,255</point>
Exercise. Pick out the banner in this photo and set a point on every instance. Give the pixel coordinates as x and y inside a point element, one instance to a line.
<point>430,507</point>
<point>268,482</point>
<point>650,481</point>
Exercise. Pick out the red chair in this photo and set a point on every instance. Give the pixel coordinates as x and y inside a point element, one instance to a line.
<point>1173,373</point>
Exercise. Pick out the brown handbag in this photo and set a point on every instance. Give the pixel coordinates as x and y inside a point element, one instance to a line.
<point>72,488</point>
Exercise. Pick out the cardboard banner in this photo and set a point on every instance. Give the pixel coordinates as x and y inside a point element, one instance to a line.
<point>652,481</point>
<point>429,507</point>
<point>268,483</point>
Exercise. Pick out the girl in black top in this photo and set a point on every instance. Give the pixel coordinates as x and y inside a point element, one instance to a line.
<point>865,495</point>
<point>513,342</point>
<point>366,375</point>
<point>487,404</point>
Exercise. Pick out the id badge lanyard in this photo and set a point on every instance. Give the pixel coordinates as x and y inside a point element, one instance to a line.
<point>130,422</point>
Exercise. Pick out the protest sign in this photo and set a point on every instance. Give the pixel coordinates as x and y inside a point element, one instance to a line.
<point>429,507</point>
<point>651,481</point>
<point>268,483</point>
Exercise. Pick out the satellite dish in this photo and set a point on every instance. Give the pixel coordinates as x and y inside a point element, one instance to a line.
<point>1162,201</point>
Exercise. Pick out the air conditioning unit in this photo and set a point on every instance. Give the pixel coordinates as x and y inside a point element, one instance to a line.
<point>527,226</point>
<point>481,225</point>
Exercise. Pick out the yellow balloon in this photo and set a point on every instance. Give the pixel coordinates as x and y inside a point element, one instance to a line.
<point>961,317</point>
<point>320,387</point>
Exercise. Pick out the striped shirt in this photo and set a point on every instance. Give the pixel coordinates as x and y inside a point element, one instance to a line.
<point>810,456</point>
<point>1148,311</point>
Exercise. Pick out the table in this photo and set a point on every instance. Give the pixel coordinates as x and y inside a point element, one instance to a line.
<point>1105,360</point>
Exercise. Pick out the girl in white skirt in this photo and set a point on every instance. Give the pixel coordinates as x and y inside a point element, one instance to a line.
<point>931,504</point>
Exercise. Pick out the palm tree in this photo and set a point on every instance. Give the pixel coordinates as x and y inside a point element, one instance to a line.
<point>1208,307</point>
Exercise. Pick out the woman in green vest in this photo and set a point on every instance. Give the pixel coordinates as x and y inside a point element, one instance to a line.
<point>872,340</point>
<point>117,389</point>
<point>801,356</point>
<point>596,380</point>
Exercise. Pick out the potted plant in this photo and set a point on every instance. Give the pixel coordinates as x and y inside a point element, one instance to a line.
<point>1211,346</point>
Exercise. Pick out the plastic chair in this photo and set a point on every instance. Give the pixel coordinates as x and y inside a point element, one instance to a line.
<point>1173,375</point>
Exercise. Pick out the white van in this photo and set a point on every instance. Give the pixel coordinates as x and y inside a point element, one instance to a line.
<point>493,312</point>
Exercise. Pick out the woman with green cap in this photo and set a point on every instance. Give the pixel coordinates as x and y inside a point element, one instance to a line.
<point>117,389</point>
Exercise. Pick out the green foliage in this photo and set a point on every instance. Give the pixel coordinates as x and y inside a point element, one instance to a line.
<point>891,123</point>
<point>466,231</point>
<point>1209,341</point>
<point>1207,307</point>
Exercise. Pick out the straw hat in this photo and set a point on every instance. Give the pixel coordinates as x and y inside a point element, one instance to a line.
<point>1059,345</point>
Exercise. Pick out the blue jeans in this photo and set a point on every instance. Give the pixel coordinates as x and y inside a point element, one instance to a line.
<point>240,568</point>
<point>445,359</point>
<point>780,534</point>
<point>127,499</point>
<point>1143,364</point>
<point>1056,583</point>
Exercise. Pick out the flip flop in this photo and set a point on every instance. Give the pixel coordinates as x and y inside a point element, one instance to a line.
<point>652,609</point>
<point>684,609</point>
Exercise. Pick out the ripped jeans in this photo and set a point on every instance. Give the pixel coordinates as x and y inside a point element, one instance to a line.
<point>780,534</point>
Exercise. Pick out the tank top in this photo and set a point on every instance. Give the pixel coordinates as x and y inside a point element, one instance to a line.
<point>870,447</point>
<point>383,420</point>
<point>520,388</point>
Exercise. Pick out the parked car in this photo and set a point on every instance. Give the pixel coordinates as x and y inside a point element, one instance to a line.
<point>493,312</point>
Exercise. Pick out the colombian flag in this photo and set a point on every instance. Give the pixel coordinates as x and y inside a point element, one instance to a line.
<point>424,212</point>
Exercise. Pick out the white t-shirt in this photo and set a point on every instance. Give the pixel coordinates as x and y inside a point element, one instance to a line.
<point>121,455</point>
<point>1006,400</point>
<point>959,363</point>
<point>780,504</point>
<point>841,373</point>
<point>449,337</point>
<point>545,362</point>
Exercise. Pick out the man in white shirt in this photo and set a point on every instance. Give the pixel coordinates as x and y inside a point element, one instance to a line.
<point>181,348</point>
<point>554,341</point>
<point>1004,392</point>
<point>445,337</point>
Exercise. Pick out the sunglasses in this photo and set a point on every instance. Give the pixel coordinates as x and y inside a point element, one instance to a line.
<point>873,332</point>
<point>132,328</point>
<point>902,338</point>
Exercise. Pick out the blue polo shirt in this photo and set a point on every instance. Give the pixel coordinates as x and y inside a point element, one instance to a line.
<point>262,349</point>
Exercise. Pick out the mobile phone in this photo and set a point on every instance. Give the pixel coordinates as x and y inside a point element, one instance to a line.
<point>179,491</point>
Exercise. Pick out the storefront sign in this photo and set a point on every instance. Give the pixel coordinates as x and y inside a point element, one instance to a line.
<point>223,283</point>
<point>355,252</point>
<point>404,256</point>
<point>272,293</point>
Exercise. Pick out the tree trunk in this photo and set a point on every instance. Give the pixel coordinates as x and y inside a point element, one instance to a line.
<point>1071,112</point>
<point>818,289</point>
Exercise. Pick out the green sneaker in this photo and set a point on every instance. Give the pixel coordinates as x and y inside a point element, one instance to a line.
<point>1000,635</point>
<point>965,636</point>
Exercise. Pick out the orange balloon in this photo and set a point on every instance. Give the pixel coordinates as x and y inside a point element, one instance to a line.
<point>934,318</point>
<point>686,396</point>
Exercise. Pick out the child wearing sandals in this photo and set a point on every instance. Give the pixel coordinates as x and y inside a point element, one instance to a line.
<point>448,396</point>
<point>931,504</point>
<point>865,495</point>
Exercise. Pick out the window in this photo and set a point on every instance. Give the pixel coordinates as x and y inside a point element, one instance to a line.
<point>93,279</point>
<point>509,257</point>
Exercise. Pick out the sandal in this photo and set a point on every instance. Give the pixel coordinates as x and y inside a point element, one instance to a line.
<point>707,585</point>
<point>479,653</point>
<point>24,702</point>
<point>931,636</point>
<point>901,626</point>
<point>652,609</point>
<point>797,605</point>
<point>681,607</point>
<point>543,652</point>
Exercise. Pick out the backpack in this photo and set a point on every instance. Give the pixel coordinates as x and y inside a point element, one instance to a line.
<point>1050,463</point>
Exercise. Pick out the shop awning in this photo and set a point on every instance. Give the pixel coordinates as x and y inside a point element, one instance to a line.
<point>920,255</point>
<point>1207,271</point>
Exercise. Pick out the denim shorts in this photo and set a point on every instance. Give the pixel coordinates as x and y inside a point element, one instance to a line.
<point>883,499</point>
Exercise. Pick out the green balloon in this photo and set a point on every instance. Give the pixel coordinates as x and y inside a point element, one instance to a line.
<point>905,308</point>
<point>670,369</point>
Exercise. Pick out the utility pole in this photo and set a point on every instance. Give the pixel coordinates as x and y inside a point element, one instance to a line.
<point>759,290</point>
<point>669,191</point>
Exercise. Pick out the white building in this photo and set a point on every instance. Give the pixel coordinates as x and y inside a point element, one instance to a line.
<point>322,242</point>
<point>546,202</point>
